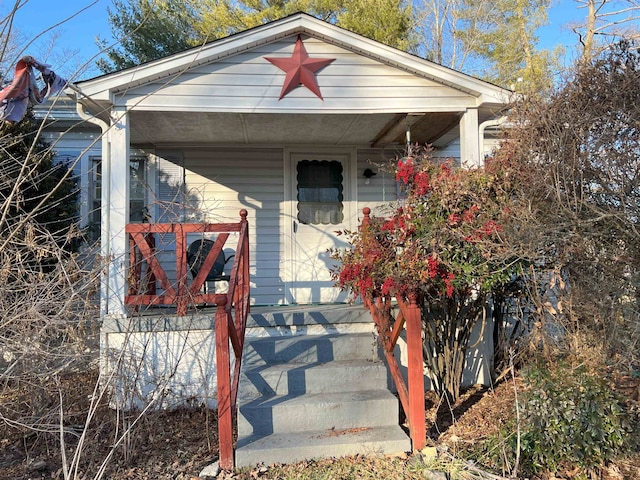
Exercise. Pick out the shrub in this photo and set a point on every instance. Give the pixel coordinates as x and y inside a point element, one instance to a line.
<point>446,243</point>
<point>581,147</point>
<point>572,418</point>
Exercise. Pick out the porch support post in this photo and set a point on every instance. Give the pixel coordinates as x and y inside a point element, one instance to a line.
<point>115,214</point>
<point>469,139</point>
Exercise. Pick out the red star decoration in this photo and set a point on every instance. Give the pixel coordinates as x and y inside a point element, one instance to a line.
<point>300,69</point>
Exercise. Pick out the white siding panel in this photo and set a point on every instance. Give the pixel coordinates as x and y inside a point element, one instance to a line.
<point>225,73</point>
<point>73,140</point>
<point>301,100</point>
<point>452,150</point>
<point>331,88</point>
<point>226,180</point>
<point>381,188</point>
<point>248,82</point>
<point>169,204</point>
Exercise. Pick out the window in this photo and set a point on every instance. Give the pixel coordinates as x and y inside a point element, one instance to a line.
<point>138,211</point>
<point>319,192</point>
<point>95,198</point>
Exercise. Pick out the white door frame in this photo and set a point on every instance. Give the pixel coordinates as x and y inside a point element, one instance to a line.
<point>290,211</point>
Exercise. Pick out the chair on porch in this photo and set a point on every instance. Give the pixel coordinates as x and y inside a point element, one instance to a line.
<point>197,253</point>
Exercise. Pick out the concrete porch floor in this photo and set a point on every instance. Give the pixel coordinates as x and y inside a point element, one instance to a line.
<point>260,316</point>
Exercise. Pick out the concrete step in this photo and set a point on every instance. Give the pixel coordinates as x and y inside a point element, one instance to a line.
<point>295,447</point>
<point>309,349</point>
<point>300,378</point>
<point>298,315</point>
<point>321,411</point>
<point>315,388</point>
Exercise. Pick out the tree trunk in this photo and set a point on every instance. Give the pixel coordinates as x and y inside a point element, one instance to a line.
<point>447,324</point>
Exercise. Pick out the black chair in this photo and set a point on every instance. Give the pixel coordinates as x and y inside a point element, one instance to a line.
<point>197,253</point>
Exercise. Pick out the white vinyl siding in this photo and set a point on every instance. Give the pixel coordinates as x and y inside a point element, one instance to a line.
<point>222,181</point>
<point>381,188</point>
<point>452,150</point>
<point>248,82</point>
<point>168,204</point>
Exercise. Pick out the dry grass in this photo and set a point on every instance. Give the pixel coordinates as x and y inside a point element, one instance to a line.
<point>178,445</point>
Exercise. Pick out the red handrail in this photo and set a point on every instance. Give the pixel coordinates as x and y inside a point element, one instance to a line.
<point>389,329</point>
<point>232,307</point>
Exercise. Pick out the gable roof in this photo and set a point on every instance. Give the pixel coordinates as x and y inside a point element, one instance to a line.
<point>218,93</point>
<point>102,88</point>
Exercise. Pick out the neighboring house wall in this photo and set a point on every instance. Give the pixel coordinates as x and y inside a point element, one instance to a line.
<point>79,149</point>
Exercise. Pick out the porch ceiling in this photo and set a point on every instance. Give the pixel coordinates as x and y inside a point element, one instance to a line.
<point>157,128</point>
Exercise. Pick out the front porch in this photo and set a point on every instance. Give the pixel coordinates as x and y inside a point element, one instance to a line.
<point>172,349</point>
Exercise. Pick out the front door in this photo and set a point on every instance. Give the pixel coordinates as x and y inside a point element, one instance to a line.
<point>319,206</point>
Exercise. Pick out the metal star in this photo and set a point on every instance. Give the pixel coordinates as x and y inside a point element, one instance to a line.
<point>300,69</point>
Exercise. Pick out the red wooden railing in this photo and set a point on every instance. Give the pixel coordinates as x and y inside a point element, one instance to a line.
<point>147,276</point>
<point>411,393</point>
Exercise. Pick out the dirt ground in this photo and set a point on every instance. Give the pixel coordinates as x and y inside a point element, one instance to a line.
<point>161,445</point>
<point>178,445</point>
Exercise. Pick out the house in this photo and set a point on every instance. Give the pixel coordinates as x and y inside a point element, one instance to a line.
<point>288,121</point>
<point>220,127</point>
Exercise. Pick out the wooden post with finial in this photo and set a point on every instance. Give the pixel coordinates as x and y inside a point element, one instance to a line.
<point>415,369</point>
<point>223,374</point>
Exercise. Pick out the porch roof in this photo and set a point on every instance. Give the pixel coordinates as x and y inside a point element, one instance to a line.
<point>168,129</point>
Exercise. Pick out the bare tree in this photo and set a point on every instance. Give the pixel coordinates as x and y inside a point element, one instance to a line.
<point>490,39</point>
<point>580,152</point>
<point>48,283</point>
<point>606,22</point>
<point>443,26</point>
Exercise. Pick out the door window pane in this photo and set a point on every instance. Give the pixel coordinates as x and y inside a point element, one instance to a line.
<point>319,192</point>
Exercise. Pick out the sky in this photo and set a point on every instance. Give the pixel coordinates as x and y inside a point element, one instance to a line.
<point>79,22</point>
<point>76,25</point>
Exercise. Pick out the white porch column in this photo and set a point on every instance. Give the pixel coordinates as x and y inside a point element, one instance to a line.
<point>469,139</point>
<point>115,214</point>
